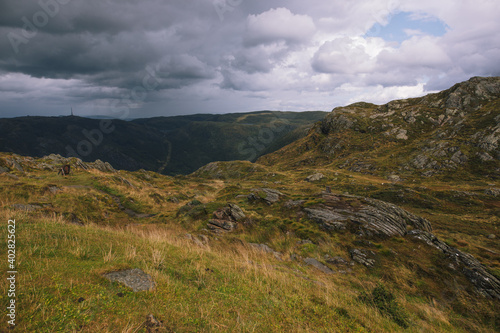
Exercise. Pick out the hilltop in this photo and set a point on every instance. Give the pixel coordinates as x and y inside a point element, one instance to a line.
<point>334,232</point>
<point>168,145</point>
<point>451,134</point>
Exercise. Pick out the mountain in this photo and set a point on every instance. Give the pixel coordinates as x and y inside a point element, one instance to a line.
<point>454,133</point>
<point>170,145</point>
<point>199,139</point>
<point>339,231</point>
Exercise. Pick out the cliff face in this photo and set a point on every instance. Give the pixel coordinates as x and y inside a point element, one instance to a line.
<point>455,130</point>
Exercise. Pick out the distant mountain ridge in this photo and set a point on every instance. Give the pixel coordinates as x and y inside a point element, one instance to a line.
<point>170,145</point>
<point>453,133</point>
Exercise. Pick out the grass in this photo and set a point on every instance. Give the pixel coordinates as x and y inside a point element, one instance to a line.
<point>234,295</point>
<point>226,285</point>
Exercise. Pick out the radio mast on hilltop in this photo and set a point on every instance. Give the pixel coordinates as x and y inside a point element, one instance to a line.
<point>71,111</point>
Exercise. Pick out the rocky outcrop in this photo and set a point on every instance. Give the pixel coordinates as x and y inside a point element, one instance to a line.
<point>485,283</point>
<point>315,263</point>
<point>369,217</point>
<point>335,123</point>
<point>54,162</point>
<point>315,177</point>
<point>266,248</point>
<point>224,219</point>
<point>221,225</point>
<point>200,240</point>
<point>327,219</point>
<point>468,95</point>
<point>27,208</point>
<point>267,195</point>
<point>235,212</point>
<point>363,257</point>
<point>13,164</point>
<point>102,166</point>
<point>364,216</point>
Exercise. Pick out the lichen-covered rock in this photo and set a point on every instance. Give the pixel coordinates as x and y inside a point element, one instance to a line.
<point>135,279</point>
<point>420,161</point>
<point>231,212</point>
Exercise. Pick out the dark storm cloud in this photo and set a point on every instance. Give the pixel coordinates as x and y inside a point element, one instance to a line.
<point>107,43</point>
<point>220,54</point>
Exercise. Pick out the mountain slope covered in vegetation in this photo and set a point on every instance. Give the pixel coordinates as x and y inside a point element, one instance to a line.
<point>168,145</point>
<point>335,232</point>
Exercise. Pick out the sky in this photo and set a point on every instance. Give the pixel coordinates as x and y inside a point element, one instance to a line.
<point>134,59</point>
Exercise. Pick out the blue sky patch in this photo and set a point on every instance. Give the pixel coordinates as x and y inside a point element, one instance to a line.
<point>404,25</point>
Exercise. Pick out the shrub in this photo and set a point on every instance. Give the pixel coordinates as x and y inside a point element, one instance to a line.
<point>385,301</point>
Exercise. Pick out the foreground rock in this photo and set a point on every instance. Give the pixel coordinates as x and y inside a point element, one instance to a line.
<point>135,279</point>
<point>486,284</point>
<point>367,218</point>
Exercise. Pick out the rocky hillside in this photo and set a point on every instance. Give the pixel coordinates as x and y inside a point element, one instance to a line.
<point>454,133</point>
<point>239,246</point>
<point>381,219</point>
